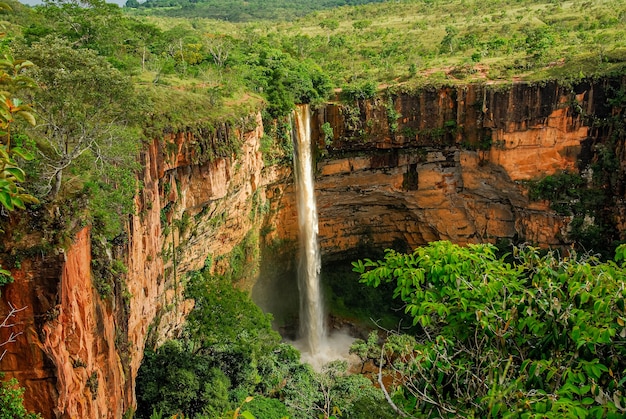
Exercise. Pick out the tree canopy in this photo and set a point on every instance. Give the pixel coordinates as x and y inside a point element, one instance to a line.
<point>532,334</point>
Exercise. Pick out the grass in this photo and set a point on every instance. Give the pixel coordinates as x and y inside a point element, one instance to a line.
<point>414,43</point>
<point>412,33</point>
<point>182,103</point>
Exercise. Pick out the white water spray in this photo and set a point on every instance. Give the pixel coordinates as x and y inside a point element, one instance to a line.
<point>312,324</point>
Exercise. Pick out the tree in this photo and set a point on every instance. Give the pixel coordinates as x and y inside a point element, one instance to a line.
<point>12,194</point>
<point>7,324</point>
<point>11,401</point>
<point>93,24</point>
<point>219,47</point>
<point>83,104</point>
<point>87,111</point>
<point>538,41</point>
<point>540,336</point>
<point>12,110</point>
<point>332,392</point>
<point>448,43</point>
<point>330,25</point>
<point>360,25</point>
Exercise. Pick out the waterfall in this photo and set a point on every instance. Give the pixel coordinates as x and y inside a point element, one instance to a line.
<point>312,324</point>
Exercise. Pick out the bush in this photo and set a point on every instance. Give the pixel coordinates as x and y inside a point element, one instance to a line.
<point>11,401</point>
<point>540,337</point>
<point>263,407</point>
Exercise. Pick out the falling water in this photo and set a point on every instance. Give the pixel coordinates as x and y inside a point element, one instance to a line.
<point>312,325</point>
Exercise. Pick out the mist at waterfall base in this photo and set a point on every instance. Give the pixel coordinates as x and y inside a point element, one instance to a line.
<point>315,344</point>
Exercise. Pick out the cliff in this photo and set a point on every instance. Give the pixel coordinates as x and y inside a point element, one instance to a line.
<point>80,352</point>
<point>401,170</point>
<point>451,164</point>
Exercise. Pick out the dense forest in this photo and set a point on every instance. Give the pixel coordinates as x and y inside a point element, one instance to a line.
<point>241,11</point>
<point>510,332</point>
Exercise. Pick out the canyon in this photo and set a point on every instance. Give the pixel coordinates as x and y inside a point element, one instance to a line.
<point>399,170</point>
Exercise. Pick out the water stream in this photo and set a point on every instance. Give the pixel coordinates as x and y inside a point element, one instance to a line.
<point>312,323</point>
<point>315,344</point>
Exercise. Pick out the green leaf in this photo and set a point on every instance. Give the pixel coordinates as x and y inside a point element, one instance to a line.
<point>597,306</point>
<point>28,199</point>
<point>17,173</point>
<point>584,297</point>
<point>18,202</point>
<point>23,153</point>
<point>358,267</point>
<point>6,201</point>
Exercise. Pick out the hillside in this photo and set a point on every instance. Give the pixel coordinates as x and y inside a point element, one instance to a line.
<point>240,11</point>
<point>359,49</point>
<point>409,44</point>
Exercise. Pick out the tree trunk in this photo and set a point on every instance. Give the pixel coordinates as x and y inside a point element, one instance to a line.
<point>58,177</point>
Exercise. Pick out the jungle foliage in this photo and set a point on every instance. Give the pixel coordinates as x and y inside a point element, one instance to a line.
<point>541,336</point>
<point>228,354</point>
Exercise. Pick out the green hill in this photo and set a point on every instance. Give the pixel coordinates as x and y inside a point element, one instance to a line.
<point>239,10</point>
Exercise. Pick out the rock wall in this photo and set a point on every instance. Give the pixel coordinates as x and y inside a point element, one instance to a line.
<point>67,357</point>
<point>79,353</point>
<point>447,164</point>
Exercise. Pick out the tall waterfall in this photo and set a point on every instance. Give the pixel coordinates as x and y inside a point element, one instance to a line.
<point>312,324</point>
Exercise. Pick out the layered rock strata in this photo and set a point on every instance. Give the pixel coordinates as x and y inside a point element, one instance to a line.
<point>450,165</point>
<point>79,352</point>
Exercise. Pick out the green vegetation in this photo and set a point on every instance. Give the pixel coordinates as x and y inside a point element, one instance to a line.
<point>83,141</point>
<point>229,68</point>
<point>12,194</point>
<point>348,299</point>
<point>240,11</point>
<point>570,194</point>
<point>229,353</point>
<point>13,110</point>
<point>11,401</point>
<point>539,337</point>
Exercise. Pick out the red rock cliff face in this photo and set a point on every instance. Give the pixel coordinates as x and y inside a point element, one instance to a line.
<point>451,166</point>
<point>79,354</point>
<point>67,358</point>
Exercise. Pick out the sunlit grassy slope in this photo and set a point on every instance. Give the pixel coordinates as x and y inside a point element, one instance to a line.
<point>462,40</point>
<point>412,43</point>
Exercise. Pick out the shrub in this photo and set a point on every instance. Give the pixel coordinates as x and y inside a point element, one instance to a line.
<point>542,336</point>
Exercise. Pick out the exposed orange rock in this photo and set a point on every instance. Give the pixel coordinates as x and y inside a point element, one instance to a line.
<point>79,354</point>
<point>422,181</point>
<point>69,365</point>
<point>540,149</point>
